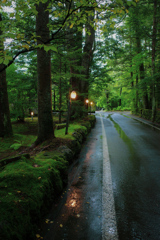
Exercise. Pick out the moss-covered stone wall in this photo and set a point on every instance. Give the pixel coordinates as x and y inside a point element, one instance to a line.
<point>29,184</point>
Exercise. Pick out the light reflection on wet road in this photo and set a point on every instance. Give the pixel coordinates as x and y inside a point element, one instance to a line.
<point>80,213</point>
<point>134,150</point>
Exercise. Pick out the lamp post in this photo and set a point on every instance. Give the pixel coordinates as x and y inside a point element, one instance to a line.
<point>87,101</point>
<point>72,95</point>
<point>32,114</point>
<point>91,107</point>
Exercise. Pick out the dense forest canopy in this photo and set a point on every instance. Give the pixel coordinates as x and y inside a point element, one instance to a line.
<point>107,51</point>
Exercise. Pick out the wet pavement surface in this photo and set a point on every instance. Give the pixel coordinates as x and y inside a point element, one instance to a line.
<point>135,168</point>
<point>80,213</point>
<point>121,157</point>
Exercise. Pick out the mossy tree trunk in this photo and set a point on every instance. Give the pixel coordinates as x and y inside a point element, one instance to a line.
<point>5,122</point>
<point>45,120</point>
<point>88,52</point>
<point>153,60</point>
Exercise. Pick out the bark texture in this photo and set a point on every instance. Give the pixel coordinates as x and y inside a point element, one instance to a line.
<point>88,53</point>
<point>5,122</point>
<point>153,59</point>
<point>45,120</point>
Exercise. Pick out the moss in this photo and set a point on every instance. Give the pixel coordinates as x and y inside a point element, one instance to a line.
<point>29,186</point>
<point>17,140</point>
<point>75,146</point>
<point>87,125</point>
<point>83,132</point>
<point>67,152</point>
<point>60,126</point>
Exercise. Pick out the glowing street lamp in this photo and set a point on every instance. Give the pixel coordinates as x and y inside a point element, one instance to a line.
<point>87,101</point>
<point>72,95</point>
<point>32,114</point>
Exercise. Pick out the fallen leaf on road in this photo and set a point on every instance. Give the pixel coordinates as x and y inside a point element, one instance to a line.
<point>47,221</point>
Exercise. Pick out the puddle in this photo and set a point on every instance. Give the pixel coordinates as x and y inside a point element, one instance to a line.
<point>122,134</point>
<point>133,157</point>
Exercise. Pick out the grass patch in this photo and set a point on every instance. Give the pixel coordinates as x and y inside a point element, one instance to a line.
<point>71,129</point>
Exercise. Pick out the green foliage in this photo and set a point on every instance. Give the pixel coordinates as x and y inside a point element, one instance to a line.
<point>21,91</point>
<point>125,54</point>
<point>16,146</point>
<point>16,142</point>
<point>78,111</point>
<point>22,140</point>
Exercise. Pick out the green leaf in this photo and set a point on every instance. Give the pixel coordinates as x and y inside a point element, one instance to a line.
<point>120,1</point>
<point>71,26</point>
<point>134,4</point>
<point>48,48</point>
<point>16,146</point>
<point>25,46</point>
<point>129,3</point>
<point>17,17</point>
<point>7,60</point>
<point>11,14</point>
<point>1,60</point>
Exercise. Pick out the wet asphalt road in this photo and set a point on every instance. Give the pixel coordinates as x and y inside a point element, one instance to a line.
<point>114,186</point>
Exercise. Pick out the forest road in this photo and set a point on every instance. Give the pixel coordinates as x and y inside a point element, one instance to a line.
<point>113,188</point>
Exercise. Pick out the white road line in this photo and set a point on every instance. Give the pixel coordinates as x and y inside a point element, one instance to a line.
<point>109,224</point>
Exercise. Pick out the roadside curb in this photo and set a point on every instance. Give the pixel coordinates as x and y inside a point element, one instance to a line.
<point>145,121</point>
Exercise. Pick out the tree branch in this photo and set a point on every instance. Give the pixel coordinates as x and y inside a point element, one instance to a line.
<point>69,13</point>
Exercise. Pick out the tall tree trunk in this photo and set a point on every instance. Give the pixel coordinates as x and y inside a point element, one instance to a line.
<point>153,60</point>
<point>158,56</point>
<point>132,80</point>
<point>54,100</point>
<point>60,91</point>
<point>137,98</point>
<point>137,27</point>
<point>120,100</point>
<point>5,122</point>
<point>145,94</point>
<point>88,53</point>
<point>74,48</point>
<point>142,73</point>
<point>45,120</point>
